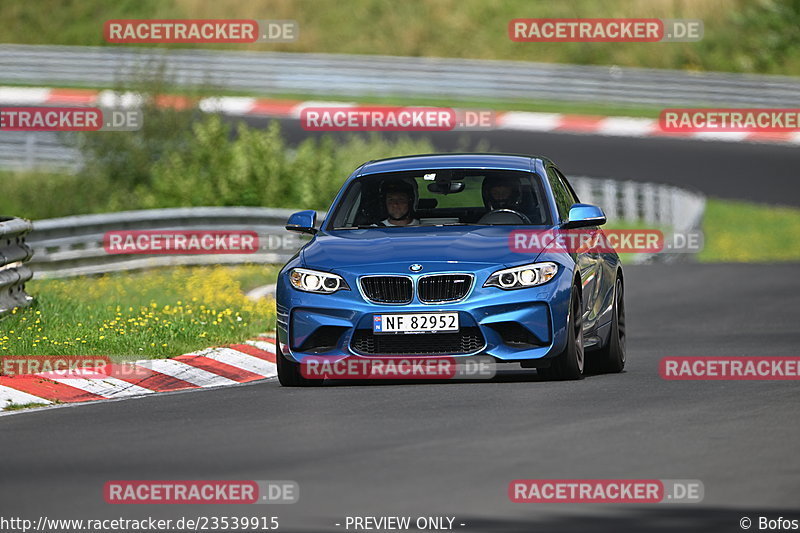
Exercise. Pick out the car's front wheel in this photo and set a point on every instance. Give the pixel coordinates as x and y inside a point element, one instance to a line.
<point>569,363</point>
<point>289,374</point>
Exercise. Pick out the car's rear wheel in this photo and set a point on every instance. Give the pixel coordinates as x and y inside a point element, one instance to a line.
<point>289,374</point>
<point>611,357</point>
<point>569,363</point>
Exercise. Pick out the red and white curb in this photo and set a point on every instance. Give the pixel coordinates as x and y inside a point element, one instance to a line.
<point>213,367</point>
<point>505,120</point>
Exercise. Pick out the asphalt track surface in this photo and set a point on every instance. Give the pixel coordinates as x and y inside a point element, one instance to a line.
<point>451,449</point>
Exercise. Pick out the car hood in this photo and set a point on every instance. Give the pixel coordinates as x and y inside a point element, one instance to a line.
<point>475,245</point>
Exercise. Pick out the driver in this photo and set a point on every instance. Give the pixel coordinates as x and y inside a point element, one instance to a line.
<point>502,193</point>
<point>398,196</point>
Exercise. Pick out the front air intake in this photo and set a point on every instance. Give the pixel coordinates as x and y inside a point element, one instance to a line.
<point>387,289</point>
<point>439,288</point>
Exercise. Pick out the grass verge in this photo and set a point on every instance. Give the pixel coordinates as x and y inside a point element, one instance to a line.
<point>21,406</point>
<point>152,314</point>
<point>750,233</point>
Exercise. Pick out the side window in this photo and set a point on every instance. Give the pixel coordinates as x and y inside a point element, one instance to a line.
<point>562,195</point>
<point>567,186</point>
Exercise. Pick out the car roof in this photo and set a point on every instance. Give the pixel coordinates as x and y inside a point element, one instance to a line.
<point>457,160</point>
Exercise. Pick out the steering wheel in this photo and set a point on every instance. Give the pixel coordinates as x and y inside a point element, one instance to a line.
<point>490,214</point>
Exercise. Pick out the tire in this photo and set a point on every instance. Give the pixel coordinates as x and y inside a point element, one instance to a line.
<point>611,357</point>
<point>289,374</point>
<point>568,365</point>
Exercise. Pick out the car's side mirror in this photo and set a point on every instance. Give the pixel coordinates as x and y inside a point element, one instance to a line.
<point>584,215</point>
<point>303,222</point>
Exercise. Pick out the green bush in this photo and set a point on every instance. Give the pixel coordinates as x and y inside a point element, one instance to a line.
<point>44,195</point>
<point>210,163</point>
<point>126,158</point>
<point>257,168</point>
<point>183,158</point>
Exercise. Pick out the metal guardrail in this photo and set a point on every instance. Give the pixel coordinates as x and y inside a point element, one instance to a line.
<point>658,205</point>
<point>37,150</point>
<point>73,246</point>
<point>14,253</point>
<point>362,75</point>
<point>666,207</point>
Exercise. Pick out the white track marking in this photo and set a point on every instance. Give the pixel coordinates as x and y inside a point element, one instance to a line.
<point>296,110</point>
<point>106,387</point>
<point>522,120</point>
<point>234,105</point>
<point>627,127</point>
<point>24,95</point>
<point>188,373</point>
<point>721,135</point>
<point>126,99</point>
<point>244,361</point>
<point>263,345</point>
<point>9,396</point>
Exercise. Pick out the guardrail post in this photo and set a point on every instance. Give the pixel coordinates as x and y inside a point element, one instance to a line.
<point>630,211</point>
<point>14,253</point>
<point>610,200</point>
<point>583,189</point>
<point>649,203</point>
<point>665,197</point>
<point>30,151</point>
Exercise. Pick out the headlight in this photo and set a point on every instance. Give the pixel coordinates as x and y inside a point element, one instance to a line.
<point>522,276</point>
<point>308,280</point>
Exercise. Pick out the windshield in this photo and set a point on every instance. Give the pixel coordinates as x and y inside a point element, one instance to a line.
<point>442,197</point>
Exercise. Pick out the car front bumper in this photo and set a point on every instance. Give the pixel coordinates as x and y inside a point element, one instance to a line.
<point>510,325</point>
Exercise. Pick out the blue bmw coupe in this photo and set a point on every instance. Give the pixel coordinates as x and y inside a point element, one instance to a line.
<point>415,258</point>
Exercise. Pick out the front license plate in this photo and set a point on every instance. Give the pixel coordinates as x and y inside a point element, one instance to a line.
<point>415,323</point>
